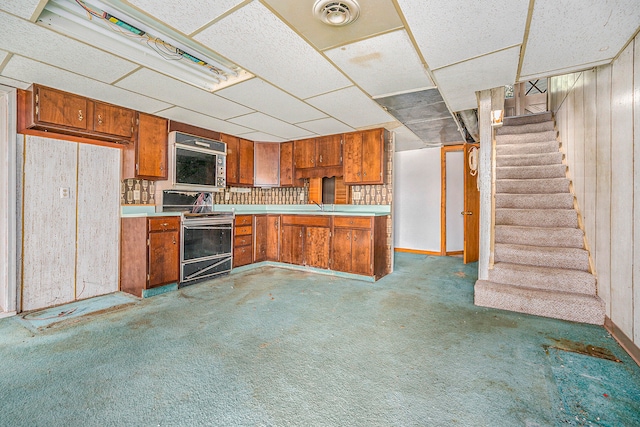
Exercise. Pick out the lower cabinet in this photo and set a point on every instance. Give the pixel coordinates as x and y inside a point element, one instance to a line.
<point>150,253</point>
<point>259,238</point>
<point>272,235</point>
<point>243,240</point>
<point>359,245</point>
<point>306,240</point>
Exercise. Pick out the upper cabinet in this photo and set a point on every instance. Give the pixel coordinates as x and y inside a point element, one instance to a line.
<point>149,152</point>
<point>287,169</point>
<point>365,157</point>
<point>329,151</point>
<point>318,157</point>
<point>240,162</point>
<point>267,164</point>
<point>45,109</point>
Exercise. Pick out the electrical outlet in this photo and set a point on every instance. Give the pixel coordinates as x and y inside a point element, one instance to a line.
<point>64,192</point>
<point>356,195</point>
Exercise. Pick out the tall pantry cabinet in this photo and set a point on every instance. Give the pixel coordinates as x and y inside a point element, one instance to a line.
<point>70,216</point>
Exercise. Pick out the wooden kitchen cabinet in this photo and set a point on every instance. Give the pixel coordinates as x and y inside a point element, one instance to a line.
<point>243,240</point>
<point>273,238</point>
<point>306,240</point>
<point>259,238</point>
<point>46,109</point>
<point>149,253</point>
<point>304,153</point>
<point>365,157</point>
<point>267,164</point>
<point>359,245</point>
<point>318,157</point>
<point>287,168</point>
<point>240,160</point>
<point>329,151</point>
<point>147,158</point>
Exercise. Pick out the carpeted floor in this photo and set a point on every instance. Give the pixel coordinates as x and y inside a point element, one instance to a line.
<point>275,347</point>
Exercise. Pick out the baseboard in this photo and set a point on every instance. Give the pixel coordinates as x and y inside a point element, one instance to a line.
<point>626,343</point>
<point>453,253</point>
<point>415,251</point>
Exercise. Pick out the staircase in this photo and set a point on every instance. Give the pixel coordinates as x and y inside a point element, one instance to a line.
<point>540,264</point>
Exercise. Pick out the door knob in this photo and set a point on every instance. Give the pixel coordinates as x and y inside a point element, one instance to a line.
<point>466,213</point>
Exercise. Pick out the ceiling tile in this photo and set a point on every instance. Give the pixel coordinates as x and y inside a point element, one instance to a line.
<point>198,119</point>
<point>22,8</point>
<point>33,41</point>
<point>416,106</point>
<point>147,82</point>
<point>270,125</point>
<point>443,131</point>
<point>328,126</point>
<point>3,56</point>
<point>259,42</point>
<point>352,107</point>
<point>185,15</point>
<point>406,140</point>
<point>36,72</point>
<point>381,65</point>
<point>376,17</point>
<point>262,137</point>
<point>458,83</point>
<point>13,83</point>
<point>452,31</point>
<point>563,34</point>
<point>263,97</point>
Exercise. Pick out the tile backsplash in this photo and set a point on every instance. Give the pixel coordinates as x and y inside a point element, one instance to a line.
<point>263,196</point>
<point>137,192</point>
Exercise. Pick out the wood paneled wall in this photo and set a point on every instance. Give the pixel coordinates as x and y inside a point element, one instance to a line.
<point>598,120</point>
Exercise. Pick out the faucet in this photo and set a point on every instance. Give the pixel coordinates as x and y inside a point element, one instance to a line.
<point>319,205</point>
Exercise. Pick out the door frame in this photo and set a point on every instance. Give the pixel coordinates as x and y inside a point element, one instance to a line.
<point>443,197</point>
<point>8,215</point>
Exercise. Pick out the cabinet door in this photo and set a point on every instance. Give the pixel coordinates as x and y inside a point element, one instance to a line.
<point>267,164</point>
<point>341,260</point>
<point>113,120</point>
<point>246,162</point>
<point>273,238</point>
<point>316,247</point>
<point>361,262</point>
<point>260,238</point>
<point>372,163</point>
<point>164,258</point>
<point>291,246</point>
<point>329,151</point>
<point>151,147</point>
<point>60,108</point>
<point>304,153</point>
<point>233,158</point>
<point>352,158</point>
<point>286,164</point>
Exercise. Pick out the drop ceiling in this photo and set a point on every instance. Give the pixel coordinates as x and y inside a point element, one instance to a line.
<point>407,65</point>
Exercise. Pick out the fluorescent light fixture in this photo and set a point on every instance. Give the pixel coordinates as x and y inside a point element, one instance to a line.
<point>136,41</point>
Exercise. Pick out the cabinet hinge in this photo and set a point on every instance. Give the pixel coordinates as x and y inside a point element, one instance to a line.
<point>148,277</point>
<point>148,242</point>
<point>137,167</point>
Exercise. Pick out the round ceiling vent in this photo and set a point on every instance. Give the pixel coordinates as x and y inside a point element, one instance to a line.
<point>336,13</point>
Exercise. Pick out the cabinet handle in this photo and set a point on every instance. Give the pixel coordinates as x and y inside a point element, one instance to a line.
<point>364,173</point>
<point>349,236</point>
<point>358,174</point>
<point>164,224</point>
<point>80,116</point>
<point>300,233</point>
<point>320,158</point>
<point>174,240</point>
<point>99,119</point>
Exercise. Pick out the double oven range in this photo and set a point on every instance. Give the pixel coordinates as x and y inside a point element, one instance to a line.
<point>206,238</point>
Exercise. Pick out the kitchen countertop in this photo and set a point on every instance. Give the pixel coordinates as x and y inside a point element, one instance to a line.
<point>139,211</point>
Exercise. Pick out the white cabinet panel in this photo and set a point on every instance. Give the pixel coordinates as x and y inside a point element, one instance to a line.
<point>49,222</point>
<point>98,220</point>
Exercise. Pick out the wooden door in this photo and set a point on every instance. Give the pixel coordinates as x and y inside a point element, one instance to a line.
<point>361,252</point>
<point>273,238</point>
<point>246,165</point>
<point>152,147</point>
<point>352,152</point>
<point>233,158</point>
<point>260,238</point>
<point>113,120</point>
<point>267,162</point>
<point>61,108</point>
<point>329,151</point>
<point>286,164</point>
<point>304,153</point>
<point>372,155</point>
<point>341,260</point>
<point>164,258</point>
<point>316,247</point>
<point>292,244</point>
<point>471,204</point>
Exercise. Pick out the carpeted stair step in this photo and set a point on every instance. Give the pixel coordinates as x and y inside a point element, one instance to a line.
<point>561,237</point>
<point>545,278</point>
<point>534,201</point>
<point>541,256</point>
<point>526,128</point>
<point>527,172</point>
<point>526,138</point>
<point>529,159</point>
<point>549,146</point>
<point>533,186</point>
<point>528,118</point>
<point>537,217</point>
<point>559,305</point>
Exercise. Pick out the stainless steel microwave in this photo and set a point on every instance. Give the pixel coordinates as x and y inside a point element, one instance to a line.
<point>197,163</point>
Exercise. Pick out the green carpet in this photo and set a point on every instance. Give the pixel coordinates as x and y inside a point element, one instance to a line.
<point>276,347</point>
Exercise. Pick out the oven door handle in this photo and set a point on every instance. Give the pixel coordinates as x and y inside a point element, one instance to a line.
<point>206,227</point>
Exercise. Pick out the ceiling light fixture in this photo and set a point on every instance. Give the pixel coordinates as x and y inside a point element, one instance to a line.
<point>336,13</point>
